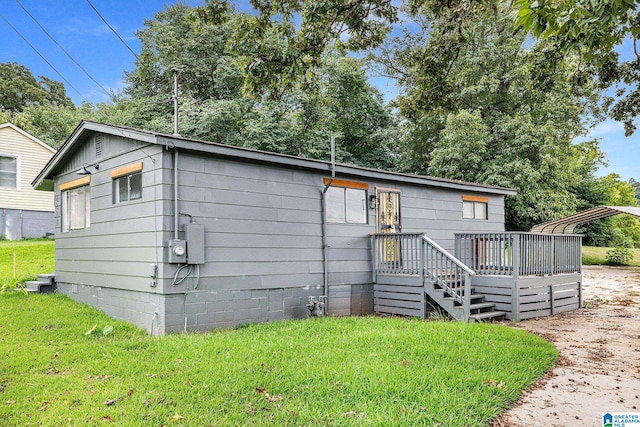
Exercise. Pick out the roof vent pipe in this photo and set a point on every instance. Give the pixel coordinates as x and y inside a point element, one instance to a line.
<point>175,101</point>
<point>333,157</point>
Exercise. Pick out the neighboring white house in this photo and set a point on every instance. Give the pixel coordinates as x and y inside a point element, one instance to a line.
<point>24,212</point>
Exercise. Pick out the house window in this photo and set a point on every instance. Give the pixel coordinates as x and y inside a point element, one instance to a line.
<point>76,206</point>
<point>127,187</point>
<point>8,172</point>
<point>474,207</point>
<point>127,183</point>
<point>346,202</point>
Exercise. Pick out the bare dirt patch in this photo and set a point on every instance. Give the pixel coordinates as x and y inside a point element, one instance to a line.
<point>599,366</point>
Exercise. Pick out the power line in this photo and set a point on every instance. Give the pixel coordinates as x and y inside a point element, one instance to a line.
<point>63,49</point>
<point>42,56</point>
<point>112,29</point>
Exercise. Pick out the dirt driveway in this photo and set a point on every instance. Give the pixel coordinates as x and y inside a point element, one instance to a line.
<point>599,366</point>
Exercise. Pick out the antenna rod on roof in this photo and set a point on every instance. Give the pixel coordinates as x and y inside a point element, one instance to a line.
<point>333,156</point>
<point>175,101</point>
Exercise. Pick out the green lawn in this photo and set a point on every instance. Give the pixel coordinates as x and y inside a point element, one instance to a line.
<point>33,257</point>
<point>592,255</point>
<point>362,371</point>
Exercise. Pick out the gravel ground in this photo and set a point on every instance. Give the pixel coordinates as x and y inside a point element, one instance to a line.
<point>599,366</point>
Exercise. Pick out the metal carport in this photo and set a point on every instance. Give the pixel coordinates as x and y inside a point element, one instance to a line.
<point>568,224</point>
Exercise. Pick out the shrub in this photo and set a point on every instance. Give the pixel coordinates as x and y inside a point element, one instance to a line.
<point>619,256</point>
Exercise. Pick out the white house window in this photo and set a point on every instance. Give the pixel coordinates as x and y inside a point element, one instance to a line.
<point>346,204</point>
<point>8,172</point>
<point>76,208</point>
<point>474,207</point>
<point>127,187</point>
<point>127,183</point>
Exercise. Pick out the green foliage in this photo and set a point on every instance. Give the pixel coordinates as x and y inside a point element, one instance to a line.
<point>594,29</point>
<point>482,107</point>
<point>33,257</point>
<point>283,46</point>
<point>592,255</point>
<point>328,371</point>
<point>212,107</point>
<point>619,256</point>
<point>20,89</point>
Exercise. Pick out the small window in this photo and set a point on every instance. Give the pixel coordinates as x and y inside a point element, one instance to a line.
<point>346,205</point>
<point>127,187</point>
<point>76,208</point>
<point>8,172</point>
<point>474,210</point>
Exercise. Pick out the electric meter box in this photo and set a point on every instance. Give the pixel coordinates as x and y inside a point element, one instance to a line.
<point>194,235</point>
<point>177,251</point>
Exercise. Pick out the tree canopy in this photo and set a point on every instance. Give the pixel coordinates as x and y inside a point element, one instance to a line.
<point>19,89</point>
<point>594,29</point>
<point>477,100</point>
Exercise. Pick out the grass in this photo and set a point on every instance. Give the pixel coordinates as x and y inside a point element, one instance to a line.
<point>592,255</point>
<point>33,257</point>
<point>367,371</point>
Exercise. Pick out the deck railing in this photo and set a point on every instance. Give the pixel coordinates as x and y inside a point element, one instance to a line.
<point>397,253</point>
<point>448,272</point>
<point>519,254</point>
<point>505,254</point>
<point>416,254</point>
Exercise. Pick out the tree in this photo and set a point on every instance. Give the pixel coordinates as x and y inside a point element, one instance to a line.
<point>481,107</point>
<point>213,106</point>
<point>20,89</point>
<point>593,29</point>
<point>282,47</point>
<point>636,185</point>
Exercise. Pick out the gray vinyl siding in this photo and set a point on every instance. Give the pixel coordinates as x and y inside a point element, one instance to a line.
<point>263,237</point>
<point>123,239</point>
<point>262,223</point>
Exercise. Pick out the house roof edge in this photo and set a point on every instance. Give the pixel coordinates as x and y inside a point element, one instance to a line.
<point>28,135</point>
<point>256,156</point>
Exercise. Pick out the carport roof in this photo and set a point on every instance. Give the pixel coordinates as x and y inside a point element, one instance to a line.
<point>568,224</point>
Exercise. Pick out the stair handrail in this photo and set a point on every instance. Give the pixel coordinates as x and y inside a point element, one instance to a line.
<point>466,299</point>
<point>447,254</point>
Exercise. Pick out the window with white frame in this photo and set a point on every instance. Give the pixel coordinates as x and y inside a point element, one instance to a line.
<point>474,207</point>
<point>127,183</point>
<point>346,205</point>
<point>8,171</point>
<point>127,187</point>
<point>76,208</point>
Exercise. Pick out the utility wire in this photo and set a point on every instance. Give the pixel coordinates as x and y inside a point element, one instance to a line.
<point>43,58</point>
<point>63,49</point>
<point>112,29</point>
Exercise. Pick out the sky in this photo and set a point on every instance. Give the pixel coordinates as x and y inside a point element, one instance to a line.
<point>82,33</point>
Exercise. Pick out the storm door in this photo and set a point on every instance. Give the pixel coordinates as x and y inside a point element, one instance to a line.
<point>388,221</point>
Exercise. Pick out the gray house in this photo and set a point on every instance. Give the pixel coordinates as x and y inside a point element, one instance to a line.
<point>172,233</point>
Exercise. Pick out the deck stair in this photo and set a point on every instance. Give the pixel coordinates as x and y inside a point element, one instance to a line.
<point>454,302</point>
<point>45,284</point>
<point>424,269</point>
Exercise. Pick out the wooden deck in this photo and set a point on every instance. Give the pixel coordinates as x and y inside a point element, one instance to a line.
<point>513,275</point>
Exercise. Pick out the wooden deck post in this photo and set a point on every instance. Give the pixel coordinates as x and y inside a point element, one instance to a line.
<point>467,296</point>
<point>515,311</point>
<point>516,255</point>
<point>374,260</point>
